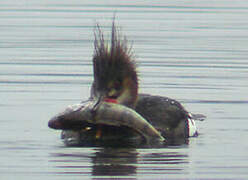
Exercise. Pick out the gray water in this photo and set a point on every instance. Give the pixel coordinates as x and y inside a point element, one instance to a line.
<point>193,51</point>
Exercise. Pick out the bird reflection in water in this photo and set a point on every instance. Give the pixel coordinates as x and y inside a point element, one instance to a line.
<point>119,162</point>
<point>115,162</point>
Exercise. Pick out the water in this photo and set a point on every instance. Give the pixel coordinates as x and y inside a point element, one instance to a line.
<point>195,52</point>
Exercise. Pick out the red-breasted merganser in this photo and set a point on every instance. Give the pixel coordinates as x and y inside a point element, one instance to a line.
<point>115,80</point>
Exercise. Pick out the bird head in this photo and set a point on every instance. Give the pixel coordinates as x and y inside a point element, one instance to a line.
<point>115,76</point>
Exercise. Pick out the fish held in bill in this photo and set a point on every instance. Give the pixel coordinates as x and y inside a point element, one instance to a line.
<point>98,123</point>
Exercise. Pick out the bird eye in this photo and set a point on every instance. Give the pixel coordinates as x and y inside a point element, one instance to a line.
<point>112,93</point>
<point>114,88</point>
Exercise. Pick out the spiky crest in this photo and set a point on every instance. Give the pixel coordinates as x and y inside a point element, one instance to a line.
<point>113,64</point>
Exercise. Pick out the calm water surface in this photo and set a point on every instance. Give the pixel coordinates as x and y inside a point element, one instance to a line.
<point>193,51</point>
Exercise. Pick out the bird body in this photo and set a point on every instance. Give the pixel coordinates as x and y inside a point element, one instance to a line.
<point>167,115</point>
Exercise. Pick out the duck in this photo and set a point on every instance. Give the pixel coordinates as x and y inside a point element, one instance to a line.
<point>116,81</point>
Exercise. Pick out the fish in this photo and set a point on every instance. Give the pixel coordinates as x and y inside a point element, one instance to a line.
<point>83,116</point>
